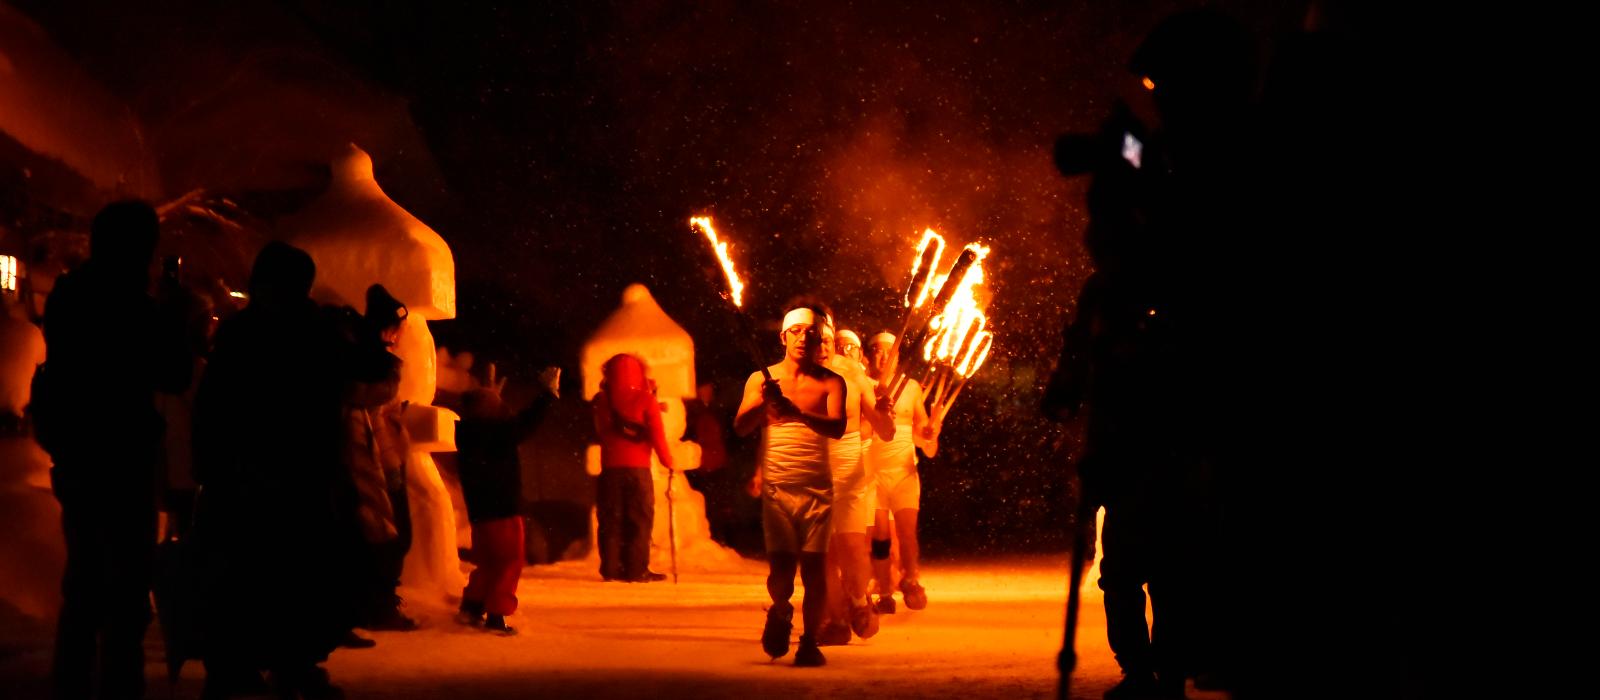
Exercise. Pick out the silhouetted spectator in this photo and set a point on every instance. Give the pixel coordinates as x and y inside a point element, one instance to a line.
<point>376,449</point>
<point>1157,332</point>
<point>111,348</point>
<point>277,511</point>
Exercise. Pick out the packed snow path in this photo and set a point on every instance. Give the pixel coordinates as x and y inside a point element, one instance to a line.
<point>992,629</point>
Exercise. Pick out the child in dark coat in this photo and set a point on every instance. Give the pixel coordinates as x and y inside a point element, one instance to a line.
<point>491,481</point>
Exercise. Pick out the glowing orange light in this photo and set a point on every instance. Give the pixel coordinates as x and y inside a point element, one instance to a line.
<point>976,355</point>
<point>735,285</point>
<point>923,288</point>
<point>8,273</point>
<point>958,342</point>
<point>1148,83</point>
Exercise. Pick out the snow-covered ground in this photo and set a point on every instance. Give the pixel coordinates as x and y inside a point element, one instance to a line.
<point>992,629</point>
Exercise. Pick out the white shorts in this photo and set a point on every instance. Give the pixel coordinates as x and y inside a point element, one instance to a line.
<point>899,491</point>
<point>854,488</point>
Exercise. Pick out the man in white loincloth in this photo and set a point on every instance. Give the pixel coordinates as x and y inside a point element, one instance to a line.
<point>854,496</point>
<point>800,408</point>
<point>894,462</point>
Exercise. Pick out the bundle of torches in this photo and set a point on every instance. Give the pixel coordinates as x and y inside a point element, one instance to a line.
<point>953,342</point>
<point>942,337</point>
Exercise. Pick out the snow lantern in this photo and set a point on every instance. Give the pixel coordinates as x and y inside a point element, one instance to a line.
<point>32,554</point>
<point>359,237</point>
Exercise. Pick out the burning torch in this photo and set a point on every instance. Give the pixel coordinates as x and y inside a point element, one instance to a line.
<point>915,300</point>
<point>734,292</point>
<point>955,376</point>
<point>957,284</point>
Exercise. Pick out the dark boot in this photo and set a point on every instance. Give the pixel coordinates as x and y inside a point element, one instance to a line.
<point>470,614</point>
<point>1134,686</point>
<point>497,624</point>
<point>809,654</point>
<point>775,637</point>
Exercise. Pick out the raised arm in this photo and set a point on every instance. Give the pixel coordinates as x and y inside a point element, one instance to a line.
<point>528,419</point>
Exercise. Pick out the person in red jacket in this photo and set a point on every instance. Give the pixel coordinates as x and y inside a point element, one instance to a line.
<point>627,417</point>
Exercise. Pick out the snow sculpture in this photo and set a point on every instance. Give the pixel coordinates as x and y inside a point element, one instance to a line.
<point>639,327</point>
<point>32,552</point>
<point>358,237</point>
<point>21,350</point>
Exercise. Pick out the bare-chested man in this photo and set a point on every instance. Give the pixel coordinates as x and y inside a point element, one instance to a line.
<point>899,486</point>
<point>854,495</point>
<point>800,408</point>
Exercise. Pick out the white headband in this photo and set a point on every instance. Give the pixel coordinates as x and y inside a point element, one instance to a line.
<point>849,335</point>
<point>884,338</point>
<point>804,315</point>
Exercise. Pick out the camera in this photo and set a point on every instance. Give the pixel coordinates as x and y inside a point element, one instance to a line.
<point>1119,143</point>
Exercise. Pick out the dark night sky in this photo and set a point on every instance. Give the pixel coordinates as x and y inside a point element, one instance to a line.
<point>560,149</point>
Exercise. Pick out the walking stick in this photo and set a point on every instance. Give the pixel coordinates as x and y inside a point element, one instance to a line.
<point>672,526</point>
<point>1067,660</point>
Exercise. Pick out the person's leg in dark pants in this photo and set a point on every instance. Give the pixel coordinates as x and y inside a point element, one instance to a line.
<point>640,516</point>
<point>388,558</point>
<point>105,591</point>
<point>1122,578</point>
<point>402,541</point>
<point>1172,593</point>
<point>132,565</point>
<point>1169,629</point>
<point>82,610</point>
<point>608,505</point>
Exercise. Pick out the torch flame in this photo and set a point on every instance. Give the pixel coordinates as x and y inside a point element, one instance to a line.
<point>935,333</point>
<point>954,341</point>
<point>972,277</point>
<point>917,295</point>
<point>735,285</point>
<point>976,355</point>
<point>955,330</point>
